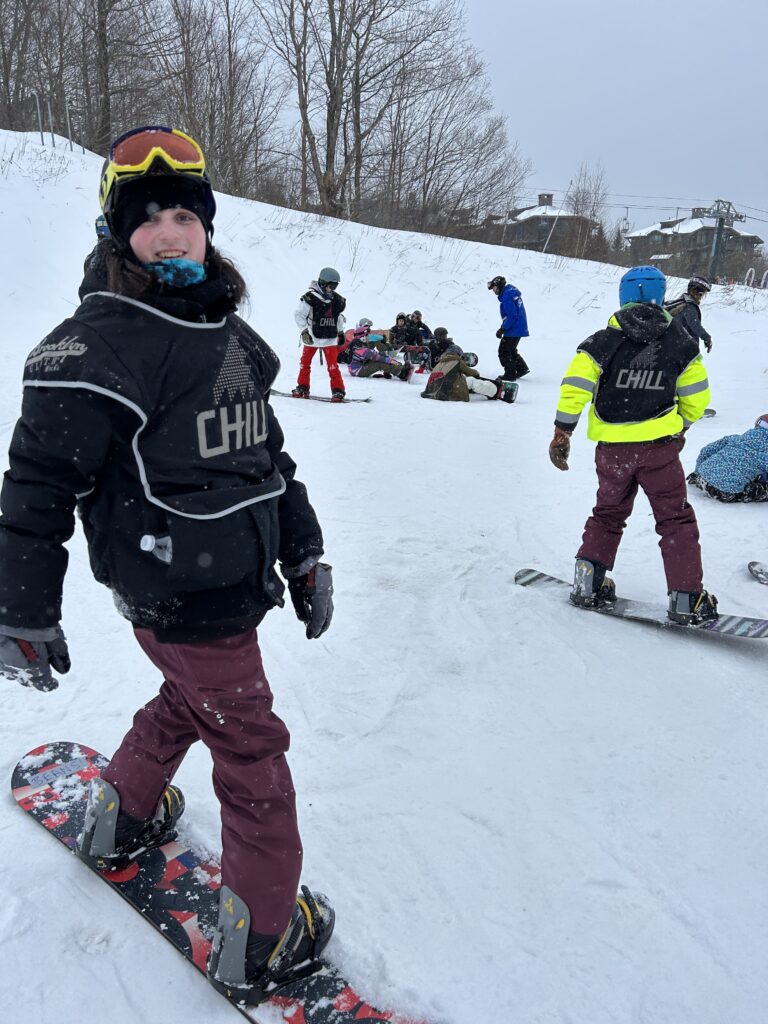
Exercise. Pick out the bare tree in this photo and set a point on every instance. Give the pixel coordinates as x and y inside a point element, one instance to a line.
<point>218,83</point>
<point>586,199</point>
<point>391,119</point>
<point>344,59</point>
<point>443,160</point>
<point>16,21</point>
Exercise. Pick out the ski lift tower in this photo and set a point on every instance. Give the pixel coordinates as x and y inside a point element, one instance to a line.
<point>724,213</point>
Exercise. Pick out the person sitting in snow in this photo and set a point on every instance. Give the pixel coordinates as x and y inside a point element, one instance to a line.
<point>439,343</point>
<point>367,361</point>
<point>452,380</point>
<point>404,332</point>
<point>735,468</point>
<point>418,323</point>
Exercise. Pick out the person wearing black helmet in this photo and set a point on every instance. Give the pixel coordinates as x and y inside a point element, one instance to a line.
<point>686,308</point>
<point>438,345</point>
<point>320,316</point>
<point>514,326</point>
<point>148,411</point>
<point>421,327</point>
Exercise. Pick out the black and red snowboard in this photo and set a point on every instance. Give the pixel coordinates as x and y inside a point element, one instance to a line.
<point>173,887</point>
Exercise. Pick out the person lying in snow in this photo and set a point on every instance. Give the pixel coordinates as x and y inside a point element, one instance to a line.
<point>452,380</point>
<point>735,468</point>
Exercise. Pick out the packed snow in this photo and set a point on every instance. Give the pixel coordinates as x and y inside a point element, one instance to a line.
<point>522,812</point>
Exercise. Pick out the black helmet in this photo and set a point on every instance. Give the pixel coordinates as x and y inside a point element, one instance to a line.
<point>328,276</point>
<point>699,283</point>
<point>158,165</point>
<point>416,312</point>
<point>497,282</point>
<point>441,332</point>
<point>400,316</point>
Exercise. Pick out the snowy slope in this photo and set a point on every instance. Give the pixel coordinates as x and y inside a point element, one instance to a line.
<point>523,813</point>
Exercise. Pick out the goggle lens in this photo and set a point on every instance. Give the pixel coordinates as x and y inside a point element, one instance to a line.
<point>133,150</point>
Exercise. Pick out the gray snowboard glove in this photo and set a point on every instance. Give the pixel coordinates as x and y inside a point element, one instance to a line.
<point>29,662</point>
<point>312,596</point>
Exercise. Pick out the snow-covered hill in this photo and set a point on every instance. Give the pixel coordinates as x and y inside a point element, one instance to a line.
<point>523,813</point>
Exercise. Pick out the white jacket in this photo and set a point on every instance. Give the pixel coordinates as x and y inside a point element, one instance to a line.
<point>304,320</point>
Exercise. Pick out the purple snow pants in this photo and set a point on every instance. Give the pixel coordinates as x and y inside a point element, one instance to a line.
<point>217,692</point>
<point>656,467</point>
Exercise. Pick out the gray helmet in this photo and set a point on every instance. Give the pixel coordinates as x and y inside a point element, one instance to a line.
<point>453,350</point>
<point>328,276</point>
<point>441,332</point>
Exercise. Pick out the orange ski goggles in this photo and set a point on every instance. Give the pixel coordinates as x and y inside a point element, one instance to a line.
<point>134,152</point>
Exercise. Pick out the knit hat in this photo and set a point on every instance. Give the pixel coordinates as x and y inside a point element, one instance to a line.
<point>138,199</point>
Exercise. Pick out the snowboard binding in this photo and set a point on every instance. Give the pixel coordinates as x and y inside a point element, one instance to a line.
<point>248,968</point>
<point>591,587</point>
<point>111,839</point>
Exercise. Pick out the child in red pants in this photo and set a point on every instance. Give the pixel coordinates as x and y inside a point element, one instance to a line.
<point>321,318</point>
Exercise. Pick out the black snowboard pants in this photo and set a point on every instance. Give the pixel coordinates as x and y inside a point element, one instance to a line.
<point>512,362</point>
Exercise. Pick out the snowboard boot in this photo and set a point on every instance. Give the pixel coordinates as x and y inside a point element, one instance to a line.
<point>248,967</point>
<point>690,608</point>
<point>300,391</point>
<point>507,390</point>
<point>591,587</point>
<point>407,372</point>
<point>338,395</point>
<point>112,838</point>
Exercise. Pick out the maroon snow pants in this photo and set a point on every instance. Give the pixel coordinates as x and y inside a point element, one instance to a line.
<point>656,467</point>
<point>217,692</point>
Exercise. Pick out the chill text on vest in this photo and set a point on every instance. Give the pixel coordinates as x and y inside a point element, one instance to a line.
<point>230,427</point>
<point>643,380</point>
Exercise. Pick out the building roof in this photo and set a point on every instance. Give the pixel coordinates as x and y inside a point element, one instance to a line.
<point>686,226</point>
<point>682,227</point>
<point>543,211</point>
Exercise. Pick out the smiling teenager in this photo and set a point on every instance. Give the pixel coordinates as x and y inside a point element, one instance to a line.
<point>148,410</point>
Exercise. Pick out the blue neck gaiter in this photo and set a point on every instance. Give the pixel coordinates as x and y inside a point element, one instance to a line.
<point>177,272</point>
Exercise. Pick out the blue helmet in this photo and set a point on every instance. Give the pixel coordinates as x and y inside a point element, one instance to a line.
<point>642,284</point>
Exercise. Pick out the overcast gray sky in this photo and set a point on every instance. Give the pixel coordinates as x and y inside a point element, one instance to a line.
<point>670,96</point>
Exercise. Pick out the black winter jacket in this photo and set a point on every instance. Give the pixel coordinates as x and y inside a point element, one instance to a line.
<point>686,311</point>
<point>639,363</point>
<point>153,425</point>
<point>409,334</point>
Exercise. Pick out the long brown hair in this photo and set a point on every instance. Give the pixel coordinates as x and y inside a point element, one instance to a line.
<point>129,278</point>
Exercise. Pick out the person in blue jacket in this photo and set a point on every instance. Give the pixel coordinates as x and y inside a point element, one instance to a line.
<point>514,326</point>
<point>735,468</point>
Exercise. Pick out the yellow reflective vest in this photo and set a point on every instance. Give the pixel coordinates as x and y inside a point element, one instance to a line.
<point>642,376</point>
